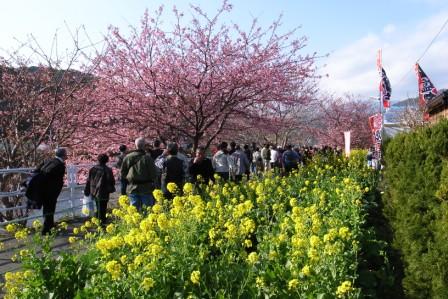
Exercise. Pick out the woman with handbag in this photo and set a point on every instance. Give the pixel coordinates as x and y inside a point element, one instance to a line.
<point>100,183</point>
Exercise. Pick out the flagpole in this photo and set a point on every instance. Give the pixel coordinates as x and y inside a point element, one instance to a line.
<point>379,63</point>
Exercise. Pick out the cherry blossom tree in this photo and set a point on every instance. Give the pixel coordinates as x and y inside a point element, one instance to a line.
<point>44,102</point>
<point>338,114</point>
<point>188,82</point>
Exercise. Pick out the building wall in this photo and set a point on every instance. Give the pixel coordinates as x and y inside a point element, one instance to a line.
<point>438,116</point>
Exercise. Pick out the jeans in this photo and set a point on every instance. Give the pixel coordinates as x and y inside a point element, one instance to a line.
<point>139,200</point>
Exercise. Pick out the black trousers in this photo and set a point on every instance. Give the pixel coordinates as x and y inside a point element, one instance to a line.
<point>49,206</point>
<point>101,209</point>
<point>123,186</point>
<point>238,178</point>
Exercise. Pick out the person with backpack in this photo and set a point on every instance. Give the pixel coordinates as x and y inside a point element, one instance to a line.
<point>290,159</point>
<point>139,170</point>
<point>52,180</point>
<point>100,184</point>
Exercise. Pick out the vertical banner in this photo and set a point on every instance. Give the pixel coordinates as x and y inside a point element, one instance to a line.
<point>385,87</point>
<point>376,126</point>
<point>347,143</point>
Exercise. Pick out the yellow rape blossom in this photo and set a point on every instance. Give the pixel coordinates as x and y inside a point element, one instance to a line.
<point>114,268</point>
<point>247,243</point>
<point>188,188</point>
<point>147,283</point>
<point>259,281</point>
<point>21,234</point>
<point>195,277</point>
<point>306,271</point>
<point>37,225</point>
<point>344,232</point>
<point>172,187</point>
<point>110,228</point>
<point>10,228</point>
<point>162,221</point>
<point>157,208</point>
<point>344,288</point>
<point>314,241</point>
<point>63,225</point>
<point>158,195</point>
<point>252,258</point>
<point>24,253</point>
<point>293,284</point>
<point>123,200</point>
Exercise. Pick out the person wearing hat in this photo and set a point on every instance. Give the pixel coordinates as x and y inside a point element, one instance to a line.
<point>53,172</point>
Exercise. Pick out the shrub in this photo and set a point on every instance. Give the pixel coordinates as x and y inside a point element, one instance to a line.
<point>416,175</point>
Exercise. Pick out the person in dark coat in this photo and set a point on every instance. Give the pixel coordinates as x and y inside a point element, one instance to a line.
<point>156,151</point>
<point>172,170</point>
<point>139,170</point>
<point>123,182</point>
<point>100,183</point>
<point>53,172</point>
<point>201,166</point>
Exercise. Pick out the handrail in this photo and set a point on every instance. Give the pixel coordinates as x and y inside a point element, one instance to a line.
<point>72,186</point>
<point>16,170</point>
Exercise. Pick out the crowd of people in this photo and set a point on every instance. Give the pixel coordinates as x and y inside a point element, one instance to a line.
<point>151,166</point>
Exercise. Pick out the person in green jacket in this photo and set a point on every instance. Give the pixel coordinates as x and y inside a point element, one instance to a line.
<point>139,170</point>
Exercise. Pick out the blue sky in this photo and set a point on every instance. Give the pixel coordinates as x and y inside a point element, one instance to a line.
<point>350,31</point>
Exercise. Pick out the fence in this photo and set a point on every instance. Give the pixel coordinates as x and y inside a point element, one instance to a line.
<point>69,202</point>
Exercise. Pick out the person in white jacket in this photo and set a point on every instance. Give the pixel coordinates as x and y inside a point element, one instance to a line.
<point>220,161</point>
<point>274,157</point>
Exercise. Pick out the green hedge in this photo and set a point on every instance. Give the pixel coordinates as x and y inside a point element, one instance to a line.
<point>416,193</point>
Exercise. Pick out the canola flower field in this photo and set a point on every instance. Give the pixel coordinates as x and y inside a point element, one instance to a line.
<point>299,236</point>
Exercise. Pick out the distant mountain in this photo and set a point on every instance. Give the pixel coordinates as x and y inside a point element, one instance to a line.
<point>405,103</point>
<point>395,112</point>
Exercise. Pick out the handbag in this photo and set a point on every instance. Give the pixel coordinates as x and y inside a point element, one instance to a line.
<point>88,208</point>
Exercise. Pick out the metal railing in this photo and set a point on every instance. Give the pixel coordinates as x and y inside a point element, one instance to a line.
<point>69,201</point>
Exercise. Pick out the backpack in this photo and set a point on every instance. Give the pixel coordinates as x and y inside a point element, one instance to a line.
<point>33,187</point>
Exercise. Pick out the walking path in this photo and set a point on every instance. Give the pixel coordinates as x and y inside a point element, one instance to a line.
<point>12,246</point>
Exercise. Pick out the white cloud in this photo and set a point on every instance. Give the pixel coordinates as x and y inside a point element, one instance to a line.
<point>390,28</point>
<point>352,69</point>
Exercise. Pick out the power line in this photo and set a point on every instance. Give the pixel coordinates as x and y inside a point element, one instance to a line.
<point>424,52</point>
